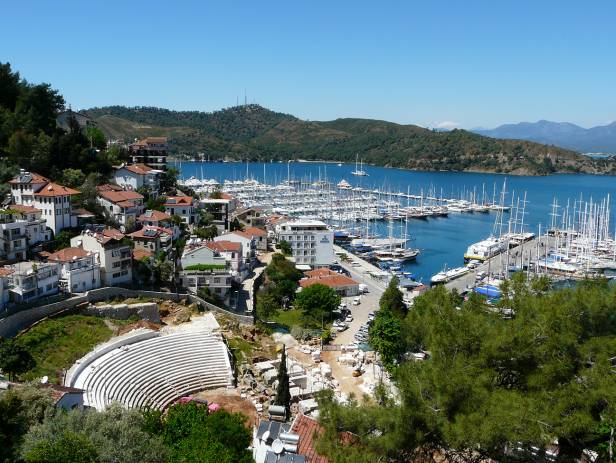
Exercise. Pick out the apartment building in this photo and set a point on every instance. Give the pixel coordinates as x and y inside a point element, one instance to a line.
<point>123,206</point>
<point>29,281</point>
<point>203,267</point>
<point>182,206</point>
<point>311,241</point>
<point>113,250</point>
<point>135,176</point>
<point>151,151</point>
<point>79,269</point>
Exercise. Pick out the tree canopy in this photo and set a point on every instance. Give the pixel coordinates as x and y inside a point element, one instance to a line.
<point>317,302</point>
<point>492,382</point>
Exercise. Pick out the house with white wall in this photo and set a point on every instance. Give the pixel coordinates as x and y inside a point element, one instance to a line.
<point>5,272</point>
<point>183,206</point>
<point>247,242</point>
<point>79,269</point>
<point>123,206</point>
<point>135,176</point>
<point>203,267</point>
<point>114,253</point>
<point>30,281</point>
<point>52,199</point>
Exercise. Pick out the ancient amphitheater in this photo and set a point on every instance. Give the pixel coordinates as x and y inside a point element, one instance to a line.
<point>154,368</point>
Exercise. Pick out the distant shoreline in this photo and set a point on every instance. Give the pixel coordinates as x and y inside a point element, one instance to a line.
<point>468,171</point>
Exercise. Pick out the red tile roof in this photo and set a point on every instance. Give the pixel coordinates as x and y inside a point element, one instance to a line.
<point>156,232</point>
<point>333,281</point>
<point>140,169</point>
<point>154,216</point>
<point>68,254</point>
<point>109,187</point>
<point>308,430</point>
<point>224,246</point>
<point>254,231</point>
<point>34,179</point>
<point>320,272</point>
<point>119,196</point>
<point>23,208</point>
<point>108,234</point>
<point>242,234</point>
<point>53,189</point>
<point>226,196</point>
<point>139,254</point>
<point>179,201</point>
<point>5,272</point>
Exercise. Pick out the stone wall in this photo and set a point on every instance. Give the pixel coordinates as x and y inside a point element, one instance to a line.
<point>144,311</point>
<point>13,324</point>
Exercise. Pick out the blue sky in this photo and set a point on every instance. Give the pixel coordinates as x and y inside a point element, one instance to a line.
<point>468,63</point>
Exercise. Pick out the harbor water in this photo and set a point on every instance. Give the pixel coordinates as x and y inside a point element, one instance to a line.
<point>442,240</point>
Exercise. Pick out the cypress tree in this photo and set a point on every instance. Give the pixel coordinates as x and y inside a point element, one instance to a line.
<point>283,395</point>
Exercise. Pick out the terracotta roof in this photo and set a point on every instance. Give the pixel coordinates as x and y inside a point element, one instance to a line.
<point>68,254</point>
<point>226,196</point>
<point>242,234</point>
<point>119,196</point>
<point>107,235</point>
<point>153,216</point>
<point>139,254</point>
<point>140,169</point>
<point>4,271</point>
<point>109,187</point>
<point>254,231</point>
<point>333,281</point>
<point>31,177</point>
<point>23,208</point>
<point>224,246</point>
<point>155,140</point>
<point>320,272</point>
<point>58,391</point>
<point>178,201</point>
<point>150,232</point>
<point>53,189</point>
<point>308,430</point>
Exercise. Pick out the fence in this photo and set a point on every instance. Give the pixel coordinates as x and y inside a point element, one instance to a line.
<point>13,324</point>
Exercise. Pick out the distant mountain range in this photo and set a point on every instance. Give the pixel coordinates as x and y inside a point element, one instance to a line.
<point>600,139</point>
<point>255,133</point>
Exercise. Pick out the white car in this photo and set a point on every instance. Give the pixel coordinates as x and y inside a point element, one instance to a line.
<point>356,301</point>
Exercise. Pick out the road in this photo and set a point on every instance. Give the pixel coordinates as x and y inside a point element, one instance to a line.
<point>369,302</point>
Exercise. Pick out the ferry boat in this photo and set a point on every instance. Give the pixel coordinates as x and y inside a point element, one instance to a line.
<point>485,249</point>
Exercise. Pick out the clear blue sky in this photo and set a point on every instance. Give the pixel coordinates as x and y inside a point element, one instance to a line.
<point>473,63</point>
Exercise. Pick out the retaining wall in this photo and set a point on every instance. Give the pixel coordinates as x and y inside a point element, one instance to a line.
<point>13,324</point>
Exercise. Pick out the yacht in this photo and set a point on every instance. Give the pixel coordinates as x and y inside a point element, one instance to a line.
<point>448,275</point>
<point>359,171</point>
<point>485,249</point>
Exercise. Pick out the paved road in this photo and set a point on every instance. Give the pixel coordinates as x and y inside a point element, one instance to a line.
<point>369,302</point>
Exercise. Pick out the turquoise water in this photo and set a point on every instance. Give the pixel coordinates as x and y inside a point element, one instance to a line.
<point>442,240</point>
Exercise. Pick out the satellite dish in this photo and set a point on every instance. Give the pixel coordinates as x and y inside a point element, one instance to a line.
<point>44,379</point>
<point>265,436</point>
<point>277,446</point>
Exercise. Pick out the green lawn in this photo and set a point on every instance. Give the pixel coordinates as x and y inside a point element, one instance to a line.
<point>289,318</point>
<point>57,343</point>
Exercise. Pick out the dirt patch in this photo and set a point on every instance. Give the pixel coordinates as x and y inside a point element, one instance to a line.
<point>231,401</point>
<point>138,324</point>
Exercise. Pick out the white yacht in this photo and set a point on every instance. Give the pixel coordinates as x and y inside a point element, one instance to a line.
<point>359,171</point>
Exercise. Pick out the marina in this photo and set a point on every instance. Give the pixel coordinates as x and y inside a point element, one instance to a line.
<point>429,219</point>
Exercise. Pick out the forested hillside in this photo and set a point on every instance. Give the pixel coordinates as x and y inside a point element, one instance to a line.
<point>255,133</point>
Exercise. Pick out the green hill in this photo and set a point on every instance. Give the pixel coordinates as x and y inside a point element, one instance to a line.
<point>255,133</point>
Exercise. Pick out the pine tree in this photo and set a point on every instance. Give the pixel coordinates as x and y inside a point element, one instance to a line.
<point>283,395</point>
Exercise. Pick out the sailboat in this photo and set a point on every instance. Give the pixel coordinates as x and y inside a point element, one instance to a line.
<point>359,171</point>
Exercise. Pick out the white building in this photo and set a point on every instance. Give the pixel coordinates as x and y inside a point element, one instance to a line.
<point>183,206</point>
<point>30,281</point>
<point>114,253</point>
<point>5,272</point>
<point>36,226</point>
<point>123,206</point>
<point>204,267</point>
<point>13,238</point>
<point>247,242</point>
<point>53,200</point>
<point>311,241</point>
<point>79,269</point>
<point>135,176</point>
